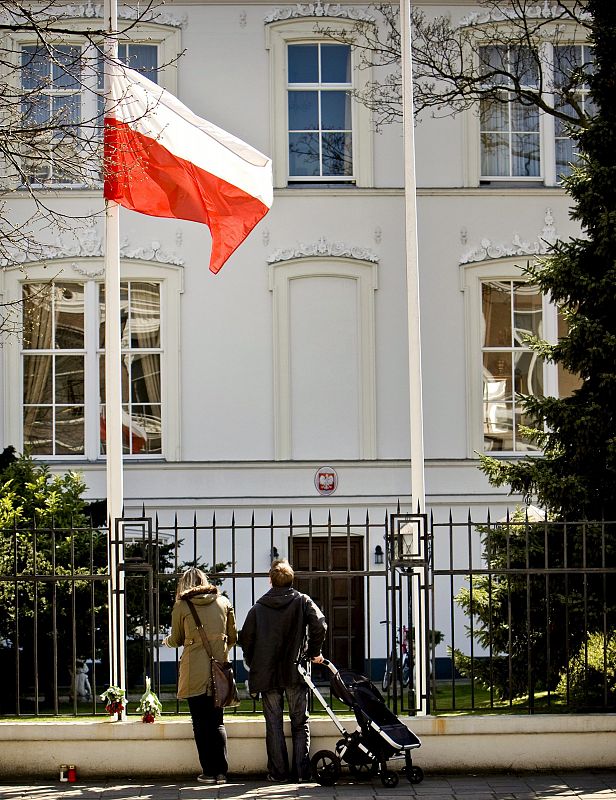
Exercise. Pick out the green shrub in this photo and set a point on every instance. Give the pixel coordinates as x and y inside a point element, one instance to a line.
<point>591,679</point>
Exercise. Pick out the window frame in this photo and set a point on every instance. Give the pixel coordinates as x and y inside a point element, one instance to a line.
<point>473,276</point>
<point>302,31</point>
<point>170,278</point>
<point>548,176</point>
<point>165,38</point>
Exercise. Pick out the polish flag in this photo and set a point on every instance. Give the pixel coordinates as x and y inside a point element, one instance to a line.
<point>163,160</point>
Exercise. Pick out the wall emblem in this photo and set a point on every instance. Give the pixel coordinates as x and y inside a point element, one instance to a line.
<point>326,480</point>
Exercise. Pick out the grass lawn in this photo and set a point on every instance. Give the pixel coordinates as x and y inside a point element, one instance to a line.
<point>460,699</point>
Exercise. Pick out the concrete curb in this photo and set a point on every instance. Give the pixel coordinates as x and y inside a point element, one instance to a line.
<point>491,742</point>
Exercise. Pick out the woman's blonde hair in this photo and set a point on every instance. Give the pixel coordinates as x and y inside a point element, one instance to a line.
<point>193,578</point>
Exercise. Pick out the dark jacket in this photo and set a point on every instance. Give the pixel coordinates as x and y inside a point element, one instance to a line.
<point>281,625</point>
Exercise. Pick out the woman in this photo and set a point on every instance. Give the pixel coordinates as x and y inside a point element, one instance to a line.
<point>218,619</point>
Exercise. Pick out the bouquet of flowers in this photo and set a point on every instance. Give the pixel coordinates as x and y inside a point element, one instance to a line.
<point>114,700</point>
<point>150,706</point>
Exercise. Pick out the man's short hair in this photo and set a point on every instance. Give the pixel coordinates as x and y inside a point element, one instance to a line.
<point>281,573</point>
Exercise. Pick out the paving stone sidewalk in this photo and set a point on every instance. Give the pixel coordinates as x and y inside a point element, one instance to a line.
<point>588,785</point>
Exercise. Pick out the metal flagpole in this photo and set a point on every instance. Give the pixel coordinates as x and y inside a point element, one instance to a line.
<point>418,491</point>
<point>113,394</point>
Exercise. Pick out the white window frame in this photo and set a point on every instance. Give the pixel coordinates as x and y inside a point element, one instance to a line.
<point>364,273</point>
<point>90,273</point>
<point>302,31</point>
<point>472,278</point>
<point>547,149</point>
<point>164,37</point>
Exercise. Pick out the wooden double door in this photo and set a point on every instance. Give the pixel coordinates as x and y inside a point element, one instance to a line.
<point>340,596</point>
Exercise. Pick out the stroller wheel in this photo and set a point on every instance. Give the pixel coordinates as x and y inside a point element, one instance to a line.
<point>414,774</point>
<point>325,767</point>
<point>389,778</point>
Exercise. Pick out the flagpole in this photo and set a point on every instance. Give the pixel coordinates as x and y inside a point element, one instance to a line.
<point>418,491</point>
<point>113,394</point>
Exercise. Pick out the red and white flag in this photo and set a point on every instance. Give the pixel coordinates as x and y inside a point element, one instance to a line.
<point>163,160</point>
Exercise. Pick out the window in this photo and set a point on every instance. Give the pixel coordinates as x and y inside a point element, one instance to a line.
<point>510,131</point>
<point>502,312</point>
<point>61,99</point>
<point>516,141</point>
<point>56,377</point>
<point>566,59</point>
<point>141,366</point>
<point>321,136</point>
<point>56,101</point>
<point>54,369</point>
<point>511,311</point>
<point>320,126</point>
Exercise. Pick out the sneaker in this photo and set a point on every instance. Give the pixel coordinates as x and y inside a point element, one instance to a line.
<point>221,779</point>
<point>206,779</point>
<point>272,779</point>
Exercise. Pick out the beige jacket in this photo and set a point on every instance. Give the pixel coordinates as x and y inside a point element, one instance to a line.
<point>218,620</point>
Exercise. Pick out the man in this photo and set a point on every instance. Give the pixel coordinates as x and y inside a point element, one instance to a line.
<point>281,625</point>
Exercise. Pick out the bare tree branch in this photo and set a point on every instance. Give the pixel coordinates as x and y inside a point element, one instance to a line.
<point>453,61</point>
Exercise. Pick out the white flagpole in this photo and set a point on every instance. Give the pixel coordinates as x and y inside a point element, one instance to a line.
<point>113,395</point>
<point>418,491</point>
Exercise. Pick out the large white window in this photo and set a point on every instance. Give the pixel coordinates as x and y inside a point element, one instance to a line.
<point>511,311</point>
<point>510,130</point>
<point>516,142</point>
<point>55,367</point>
<point>320,134</point>
<point>319,111</point>
<point>62,87</point>
<point>55,370</point>
<point>566,59</point>
<point>502,311</point>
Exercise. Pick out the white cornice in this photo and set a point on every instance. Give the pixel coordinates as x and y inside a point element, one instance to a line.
<point>90,10</point>
<point>323,249</point>
<point>86,241</point>
<point>489,250</point>
<point>318,9</point>
<point>545,10</point>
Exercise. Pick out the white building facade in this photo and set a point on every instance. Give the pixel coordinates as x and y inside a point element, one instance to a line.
<point>238,388</point>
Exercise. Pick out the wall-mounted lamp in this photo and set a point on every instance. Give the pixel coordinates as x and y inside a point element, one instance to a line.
<point>274,554</point>
<point>378,554</point>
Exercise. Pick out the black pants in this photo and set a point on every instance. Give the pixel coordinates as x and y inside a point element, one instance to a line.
<point>210,735</point>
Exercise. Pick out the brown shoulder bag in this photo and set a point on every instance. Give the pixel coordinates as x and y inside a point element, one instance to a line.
<point>224,689</point>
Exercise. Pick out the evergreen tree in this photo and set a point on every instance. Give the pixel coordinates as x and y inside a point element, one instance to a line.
<point>576,477</point>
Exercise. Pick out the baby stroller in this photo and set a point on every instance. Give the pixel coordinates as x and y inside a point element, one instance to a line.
<point>378,738</point>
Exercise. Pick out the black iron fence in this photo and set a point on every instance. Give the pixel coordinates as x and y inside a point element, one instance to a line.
<point>508,615</point>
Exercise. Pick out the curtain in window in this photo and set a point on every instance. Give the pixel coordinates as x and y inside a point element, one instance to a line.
<point>38,333</point>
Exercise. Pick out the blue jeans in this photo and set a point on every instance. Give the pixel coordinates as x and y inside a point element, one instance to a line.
<point>277,756</point>
<point>210,734</point>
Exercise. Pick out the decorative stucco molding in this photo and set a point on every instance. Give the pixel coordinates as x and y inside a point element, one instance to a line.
<point>86,241</point>
<point>318,9</point>
<point>90,10</point>
<point>545,10</point>
<point>488,250</point>
<point>323,249</point>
